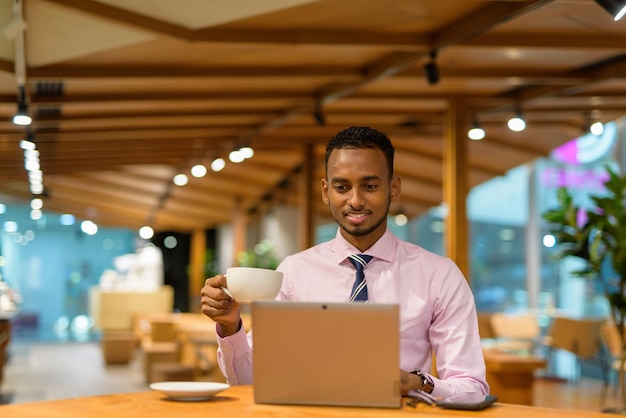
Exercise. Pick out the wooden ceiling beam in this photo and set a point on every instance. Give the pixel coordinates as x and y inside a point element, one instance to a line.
<point>148,96</point>
<point>327,38</point>
<point>590,40</point>
<point>172,73</point>
<point>599,73</point>
<point>68,73</point>
<point>8,67</point>
<point>173,114</point>
<point>124,196</point>
<point>211,135</point>
<point>113,179</point>
<point>95,200</point>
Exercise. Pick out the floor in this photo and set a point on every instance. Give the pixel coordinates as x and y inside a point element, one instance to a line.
<point>44,371</point>
<point>38,371</point>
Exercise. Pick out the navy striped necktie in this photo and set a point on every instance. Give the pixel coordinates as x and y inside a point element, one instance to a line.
<point>359,290</point>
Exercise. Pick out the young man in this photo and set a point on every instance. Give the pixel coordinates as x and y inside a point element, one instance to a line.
<point>437,307</point>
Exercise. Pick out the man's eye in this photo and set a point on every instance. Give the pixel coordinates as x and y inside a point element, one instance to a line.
<point>371,186</point>
<point>340,188</point>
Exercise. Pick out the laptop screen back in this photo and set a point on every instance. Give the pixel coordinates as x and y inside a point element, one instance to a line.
<point>326,353</point>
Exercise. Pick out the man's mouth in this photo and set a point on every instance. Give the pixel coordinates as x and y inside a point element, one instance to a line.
<point>357,217</point>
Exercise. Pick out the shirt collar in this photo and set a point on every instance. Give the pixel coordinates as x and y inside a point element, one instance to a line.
<point>383,249</point>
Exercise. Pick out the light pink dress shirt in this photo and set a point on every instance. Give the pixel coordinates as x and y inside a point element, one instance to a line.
<point>437,310</point>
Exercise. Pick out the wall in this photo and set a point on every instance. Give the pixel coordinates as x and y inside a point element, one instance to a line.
<point>280,226</point>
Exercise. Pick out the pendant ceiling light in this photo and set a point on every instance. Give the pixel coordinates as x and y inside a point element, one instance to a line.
<point>22,117</point>
<point>616,8</point>
<point>431,71</point>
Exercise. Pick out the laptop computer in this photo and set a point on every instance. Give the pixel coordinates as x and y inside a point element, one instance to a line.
<point>313,353</point>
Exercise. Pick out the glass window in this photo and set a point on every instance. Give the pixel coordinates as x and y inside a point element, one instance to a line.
<point>51,263</point>
<point>498,215</point>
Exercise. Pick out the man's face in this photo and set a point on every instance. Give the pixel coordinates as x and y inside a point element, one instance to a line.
<point>358,191</point>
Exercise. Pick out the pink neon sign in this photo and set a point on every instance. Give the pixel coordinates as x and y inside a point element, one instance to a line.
<point>591,179</point>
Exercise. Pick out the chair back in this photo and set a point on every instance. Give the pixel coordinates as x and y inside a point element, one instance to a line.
<point>521,326</point>
<point>582,337</point>
<point>163,331</point>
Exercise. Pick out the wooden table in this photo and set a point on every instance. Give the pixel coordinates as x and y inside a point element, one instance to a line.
<point>191,353</point>
<point>205,349</point>
<point>511,376</point>
<point>238,402</point>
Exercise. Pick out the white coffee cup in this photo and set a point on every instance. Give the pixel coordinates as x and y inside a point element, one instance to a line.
<point>245,284</point>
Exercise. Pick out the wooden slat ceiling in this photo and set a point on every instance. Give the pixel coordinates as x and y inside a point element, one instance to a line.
<point>125,94</point>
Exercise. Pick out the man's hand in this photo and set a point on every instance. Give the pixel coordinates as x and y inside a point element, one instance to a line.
<point>220,307</point>
<point>409,381</point>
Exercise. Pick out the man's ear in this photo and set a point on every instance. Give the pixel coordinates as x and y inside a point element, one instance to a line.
<point>325,192</point>
<point>396,187</point>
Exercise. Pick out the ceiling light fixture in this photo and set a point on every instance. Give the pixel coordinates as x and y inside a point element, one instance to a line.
<point>590,127</point>
<point>597,128</point>
<point>476,133</point>
<point>198,170</point>
<point>36,214</point>
<point>28,143</point>
<point>616,8</point>
<point>146,232</point>
<point>318,115</point>
<point>236,156</point>
<point>181,179</point>
<point>36,203</point>
<point>32,163</point>
<point>517,122</point>
<point>22,117</point>
<point>319,118</point>
<point>431,71</point>
<point>218,164</point>
<point>246,151</point>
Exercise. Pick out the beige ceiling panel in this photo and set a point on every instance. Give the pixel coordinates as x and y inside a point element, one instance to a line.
<point>153,187</point>
<point>56,33</point>
<point>196,14</point>
<point>6,43</point>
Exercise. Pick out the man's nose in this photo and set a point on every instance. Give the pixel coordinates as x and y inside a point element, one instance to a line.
<point>356,198</point>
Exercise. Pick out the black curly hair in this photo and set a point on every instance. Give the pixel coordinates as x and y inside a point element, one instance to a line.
<point>358,137</point>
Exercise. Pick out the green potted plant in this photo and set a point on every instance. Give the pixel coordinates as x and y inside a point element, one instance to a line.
<point>262,256</point>
<point>597,235</point>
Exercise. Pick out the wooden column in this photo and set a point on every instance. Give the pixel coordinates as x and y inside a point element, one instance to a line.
<point>197,261</point>
<point>533,240</point>
<point>306,222</point>
<point>5,338</point>
<point>455,183</point>
<point>239,230</point>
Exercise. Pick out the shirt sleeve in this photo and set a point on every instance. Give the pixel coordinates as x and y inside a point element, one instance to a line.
<point>234,357</point>
<point>454,337</point>
<point>234,353</point>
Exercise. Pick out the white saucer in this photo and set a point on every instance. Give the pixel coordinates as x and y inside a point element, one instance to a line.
<point>189,391</point>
